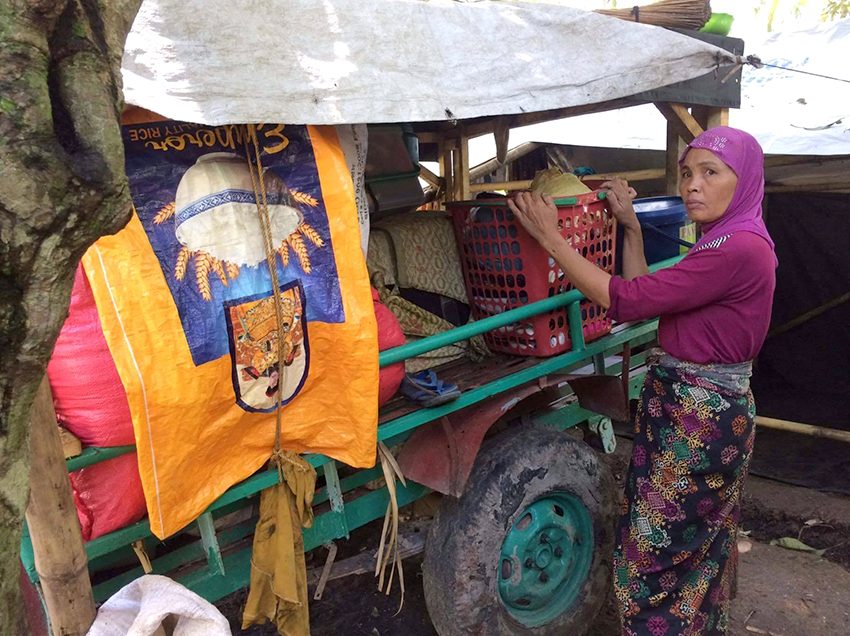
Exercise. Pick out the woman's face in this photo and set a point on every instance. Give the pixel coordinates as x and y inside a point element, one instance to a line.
<point>706,185</point>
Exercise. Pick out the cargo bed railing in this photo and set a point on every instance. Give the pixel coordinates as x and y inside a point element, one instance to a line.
<point>230,572</point>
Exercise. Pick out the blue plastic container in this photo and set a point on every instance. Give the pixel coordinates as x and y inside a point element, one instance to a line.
<point>661,220</point>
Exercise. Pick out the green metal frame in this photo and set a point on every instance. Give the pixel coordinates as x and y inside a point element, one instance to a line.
<point>224,556</point>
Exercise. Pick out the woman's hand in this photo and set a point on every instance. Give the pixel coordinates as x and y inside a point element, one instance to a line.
<point>538,216</point>
<point>620,196</point>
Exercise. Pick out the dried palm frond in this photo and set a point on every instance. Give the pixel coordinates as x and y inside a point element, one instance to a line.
<point>164,214</point>
<point>388,549</point>
<point>312,234</point>
<point>679,14</point>
<point>182,262</point>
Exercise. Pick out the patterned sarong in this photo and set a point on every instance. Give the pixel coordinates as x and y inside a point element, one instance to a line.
<point>675,563</point>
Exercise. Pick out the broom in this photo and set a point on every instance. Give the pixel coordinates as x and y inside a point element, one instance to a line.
<point>679,14</point>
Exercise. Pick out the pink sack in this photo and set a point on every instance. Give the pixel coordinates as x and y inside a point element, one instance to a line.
<point>108,495</point>
<point>389,335</point>
<point>90,402</point>
<point>87,392</point>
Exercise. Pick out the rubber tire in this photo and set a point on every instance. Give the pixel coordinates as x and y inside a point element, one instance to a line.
<point>462,550</point>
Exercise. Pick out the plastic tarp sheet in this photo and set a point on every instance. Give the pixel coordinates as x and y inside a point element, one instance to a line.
<point>184,295</point>
<point>347,61</point>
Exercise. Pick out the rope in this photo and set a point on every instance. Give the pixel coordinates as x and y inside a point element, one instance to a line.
<point>255,169</point>
<point>755,61</point>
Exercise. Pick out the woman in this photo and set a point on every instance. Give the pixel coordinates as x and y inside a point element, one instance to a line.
<point>677,552</point>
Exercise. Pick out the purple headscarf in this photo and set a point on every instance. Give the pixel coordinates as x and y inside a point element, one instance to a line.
<point>743,154</point>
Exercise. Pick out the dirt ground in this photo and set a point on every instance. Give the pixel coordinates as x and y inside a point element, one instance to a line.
<point>781,592</point>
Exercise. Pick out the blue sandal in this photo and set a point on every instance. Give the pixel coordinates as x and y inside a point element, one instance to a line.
<point>427,389</point>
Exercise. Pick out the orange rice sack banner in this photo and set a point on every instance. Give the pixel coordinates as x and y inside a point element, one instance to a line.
<point>184,294</point>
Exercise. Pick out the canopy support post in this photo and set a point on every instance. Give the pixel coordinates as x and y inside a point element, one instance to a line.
<point>675,146</point>
<point>461,169</point>
<point>711,116</point>
<point>59,553</point>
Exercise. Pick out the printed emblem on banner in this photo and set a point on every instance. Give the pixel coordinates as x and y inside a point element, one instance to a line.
<point>260,381</point>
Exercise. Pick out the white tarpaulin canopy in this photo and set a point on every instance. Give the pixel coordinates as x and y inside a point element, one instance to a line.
<point>349,61</point>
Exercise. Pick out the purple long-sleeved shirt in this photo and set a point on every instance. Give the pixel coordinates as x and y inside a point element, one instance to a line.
<point>714,304</point>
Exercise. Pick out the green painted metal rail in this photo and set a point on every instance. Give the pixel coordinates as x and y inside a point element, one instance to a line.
<point>464,332</point>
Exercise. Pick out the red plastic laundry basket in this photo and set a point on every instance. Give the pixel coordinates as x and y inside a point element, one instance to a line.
<point>505,268</point>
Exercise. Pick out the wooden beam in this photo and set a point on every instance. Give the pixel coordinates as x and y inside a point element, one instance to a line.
<point>671,160</point>
<point>501,133</point>
<point>446,171</point>
<point>430,177</point>
<point>461,170</point>
<point>710,116</point>
<point>491,165</point>
<point>426,137</point>
<point>478,126</point>
<point>682,121</point>
<point>60,558</point>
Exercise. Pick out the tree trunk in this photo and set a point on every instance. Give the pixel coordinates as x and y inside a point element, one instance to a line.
<point>62,185</point>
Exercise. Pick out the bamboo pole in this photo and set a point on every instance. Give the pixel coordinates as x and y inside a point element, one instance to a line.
<point>631,175</point>
<point>807,316</point>
<point>803,429</point>
<point>60,558</point>
<point>501,185</point>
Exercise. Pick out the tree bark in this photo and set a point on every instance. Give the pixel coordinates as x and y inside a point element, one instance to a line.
<point>62,185</point>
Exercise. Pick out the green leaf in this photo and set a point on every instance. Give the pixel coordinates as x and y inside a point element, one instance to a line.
<point>791,543</point>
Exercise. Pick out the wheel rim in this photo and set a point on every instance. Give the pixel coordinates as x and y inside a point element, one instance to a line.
<point>545,559</point>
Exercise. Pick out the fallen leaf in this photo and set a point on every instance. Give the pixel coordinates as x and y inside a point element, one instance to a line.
<point>791,543</point>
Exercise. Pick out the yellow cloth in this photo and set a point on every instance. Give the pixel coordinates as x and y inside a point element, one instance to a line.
<point>278,572</point>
